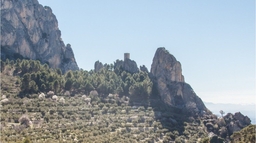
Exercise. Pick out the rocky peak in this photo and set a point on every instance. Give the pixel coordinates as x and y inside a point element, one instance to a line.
<point>29,30</point>
<point>144,68</point>
<point>130,66</point>
<point>167,75</point>
<point>98,66</point>
<point>236,122</point>
<point>127,65</point>
<point>165,65</point>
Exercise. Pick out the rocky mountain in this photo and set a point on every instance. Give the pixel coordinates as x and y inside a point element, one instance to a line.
<point>120,105</point>
<point>29,30</point>
<point>167,75</point>
<point>127,65</point>
<point>94,106</point>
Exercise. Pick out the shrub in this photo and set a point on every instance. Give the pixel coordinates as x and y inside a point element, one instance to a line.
<point>67,93</point>
<point>62,100</point>
<point>27,140</point>
<point>41,96</point>
<point>24,120</point>
<point>50,94</point>
<point>55,97</point>
<point>4,101</point>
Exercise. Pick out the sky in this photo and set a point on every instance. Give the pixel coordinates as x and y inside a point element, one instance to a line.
<point>213,40</point>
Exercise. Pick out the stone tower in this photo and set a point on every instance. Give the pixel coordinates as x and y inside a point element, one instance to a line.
<point>126,56</point>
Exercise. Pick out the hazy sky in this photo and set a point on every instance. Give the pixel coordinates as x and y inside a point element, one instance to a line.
<point>214,40</point>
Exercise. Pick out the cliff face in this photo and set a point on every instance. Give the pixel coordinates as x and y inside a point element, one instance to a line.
<point>166,66</point>
<point>29,30</point>
<point>167,75</point>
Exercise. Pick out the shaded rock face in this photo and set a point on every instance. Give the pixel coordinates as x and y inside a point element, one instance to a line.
<point>236,122</point>
<point>98,66</point>
<point>167,75</point>
<point>29,30</point>
<point>227,125</point>
<point>144,69</point>
<point>127,65</point>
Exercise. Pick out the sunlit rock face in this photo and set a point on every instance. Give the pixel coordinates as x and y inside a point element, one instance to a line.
<point>167,75</point>
<point>165,65</point>
<point>29,30</point>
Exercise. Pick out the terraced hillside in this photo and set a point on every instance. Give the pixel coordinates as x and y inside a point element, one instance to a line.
<point>76,119</point>
<point>40,104</point>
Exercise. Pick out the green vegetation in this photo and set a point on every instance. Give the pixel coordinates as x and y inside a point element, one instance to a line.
<point>246,135</point>
<point>35,78</point>
<point>39,104</point>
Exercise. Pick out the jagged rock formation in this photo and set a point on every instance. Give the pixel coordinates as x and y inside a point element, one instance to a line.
<point>127,65</point>
<point>226,125</point>
<point>165,65</point>
<point>98,66</point>
<point>144,69</point>
<point>29,30</point>
<point>236,122</point>
<point>167,76</point>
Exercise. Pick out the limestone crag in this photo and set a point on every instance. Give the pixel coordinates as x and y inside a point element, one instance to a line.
<point>236,122</point>
<point>167,75</point>
<point>98,66</point>
<point>127,65</point>
<point>225,125</point>
<point>165,65</point>
<point>29,30</point>
<point>144,68</point>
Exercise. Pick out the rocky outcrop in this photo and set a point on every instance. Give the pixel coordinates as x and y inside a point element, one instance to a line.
<point>226,125</point>
<point>98,66</point>
<point>127,65</point>
<point>29,30</point>
<point>167,75</point>
<point>236,122</point>
<point>144,69</point>
<point>165,65</point>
